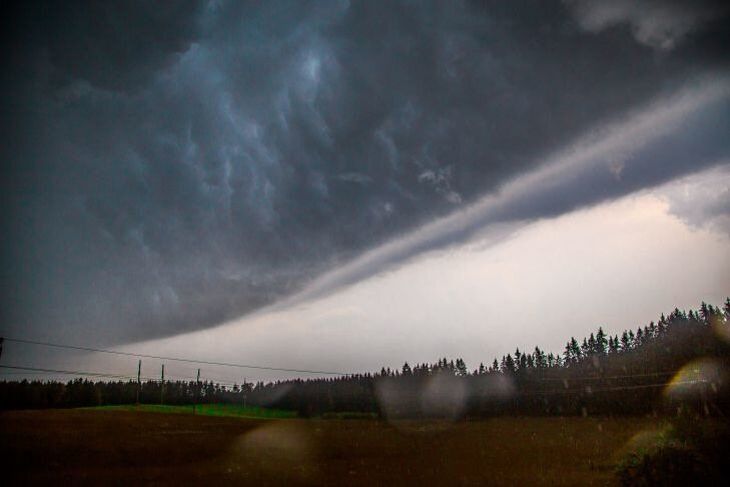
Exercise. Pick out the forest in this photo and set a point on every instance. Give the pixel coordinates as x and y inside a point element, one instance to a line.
<point>680,362</point>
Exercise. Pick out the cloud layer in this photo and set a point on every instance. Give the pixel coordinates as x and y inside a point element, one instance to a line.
<point>647,150</point>
<point>167,170</point>
<point>660,24</point>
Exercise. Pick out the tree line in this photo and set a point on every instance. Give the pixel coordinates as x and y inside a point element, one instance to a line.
<point>681,361</point>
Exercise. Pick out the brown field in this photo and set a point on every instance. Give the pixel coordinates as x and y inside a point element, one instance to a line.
<point>115,447</point>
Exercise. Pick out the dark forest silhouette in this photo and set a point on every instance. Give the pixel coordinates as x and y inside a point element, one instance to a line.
<point>679,362</point>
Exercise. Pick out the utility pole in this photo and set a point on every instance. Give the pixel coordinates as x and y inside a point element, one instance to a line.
<point>243,392</point>
<point>139,384</point>
<point>162,386</point>
<point>197,391</point>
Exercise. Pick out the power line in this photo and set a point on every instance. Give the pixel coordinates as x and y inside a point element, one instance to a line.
<point>68,372</point>
<point>531,393</point>
<point>611,389</point>
<point>104,375</point>
<point>608,377</point>
<point>173,359</point>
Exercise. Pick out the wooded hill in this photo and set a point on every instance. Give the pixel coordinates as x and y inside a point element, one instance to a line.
<point>681,361</point>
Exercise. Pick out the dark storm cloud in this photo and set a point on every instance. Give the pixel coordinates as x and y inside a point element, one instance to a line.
<point>112,45</point>
<point>660,24</point>
<point>644,151</point>
<point>170,169</point>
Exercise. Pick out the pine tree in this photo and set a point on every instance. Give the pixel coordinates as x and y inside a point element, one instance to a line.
<point>592,347</point>
<point>677,316</point>
<point>625,342</point>
<point>509,365</point>
<point>639,340</point>
<point>523,361</point>
<point>407,369</point>
<point>662,325</point>
<point>705,313</point>
<point>540,359</point>
<point>530,362</point>
<point>601,341</point>
<point>716,315</point>
<point>461,368</point>
<point>585,350</point>
<point>568,353</point>
<point>575,348</point>
<point>613,345</point>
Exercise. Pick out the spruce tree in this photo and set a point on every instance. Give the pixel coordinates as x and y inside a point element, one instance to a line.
<point>592,347</point>
<point>613,345</point>
<point>568,353</point>
<point>530,361</point>
<point>509,365</point>
<point>652,330</point>
<point>461,368</point>
<point>705,312</point>
<point>523,361</point>
<point>585,350</point>
<point>601,341</point>
<point>407,369</point>
<point>639,340</point>
<point>625,342</point>
<point>540,360</point>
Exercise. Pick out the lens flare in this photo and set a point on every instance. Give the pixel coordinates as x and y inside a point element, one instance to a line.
<point>698,379</point>
<point>283,447</point>
<point>721,328</point>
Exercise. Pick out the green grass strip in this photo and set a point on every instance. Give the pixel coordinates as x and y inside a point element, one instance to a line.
<point>222,410</point>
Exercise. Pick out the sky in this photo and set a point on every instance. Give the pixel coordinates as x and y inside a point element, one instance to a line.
<point>344,185</point>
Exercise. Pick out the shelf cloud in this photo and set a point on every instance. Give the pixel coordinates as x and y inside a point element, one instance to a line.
<point>171,167</point>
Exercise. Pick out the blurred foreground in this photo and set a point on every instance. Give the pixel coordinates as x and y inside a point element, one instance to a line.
<point>118,447</point>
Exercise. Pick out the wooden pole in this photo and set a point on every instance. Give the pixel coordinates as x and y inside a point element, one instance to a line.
<point>243,392</point>
<point>139,384</point>
<point>197,391</point>
<point>162,386</point>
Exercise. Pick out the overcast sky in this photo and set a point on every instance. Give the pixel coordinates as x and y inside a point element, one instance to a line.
<point>358,170</point>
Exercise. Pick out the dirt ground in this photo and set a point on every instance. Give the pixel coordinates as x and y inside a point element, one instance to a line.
<point>113,447</point>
